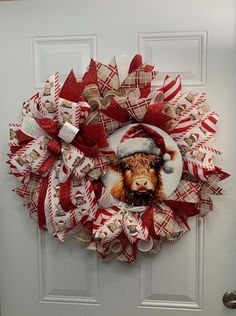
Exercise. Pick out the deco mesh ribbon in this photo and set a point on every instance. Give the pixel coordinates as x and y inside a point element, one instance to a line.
<point>60,150</point>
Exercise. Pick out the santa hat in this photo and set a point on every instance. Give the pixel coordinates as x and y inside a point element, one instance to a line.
<point>143,139</point>
<point>78,194</point>
<point>47,83</point>
<point>181,106</point>
<point>195,137</point>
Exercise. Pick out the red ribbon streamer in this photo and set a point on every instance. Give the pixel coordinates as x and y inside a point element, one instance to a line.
<point>182,208</point>
<point>144,91</point>
<point>54,146</point>
<point>90,77</point>
<point>71,89</point>
<point>135,63</point>
<point>115,111</point>
<point>97,187</point>
<point>95,132</point>
<point>22,137</point>
<point>65,196</point>
<point>41,201</point>
<point>148,222</point>
<point>154,116</point>
<point>51,127</point>
<point>48,163</point>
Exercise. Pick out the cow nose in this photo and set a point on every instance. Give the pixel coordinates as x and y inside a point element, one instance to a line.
<point>141,182</point>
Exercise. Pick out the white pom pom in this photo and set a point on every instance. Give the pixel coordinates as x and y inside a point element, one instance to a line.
<point>166,157</point>
<point>168,167</point>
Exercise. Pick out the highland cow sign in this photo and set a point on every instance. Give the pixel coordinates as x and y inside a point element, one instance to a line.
<point>147,166</point>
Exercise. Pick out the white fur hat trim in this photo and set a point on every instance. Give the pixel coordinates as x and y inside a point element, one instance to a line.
<point>137,145</point>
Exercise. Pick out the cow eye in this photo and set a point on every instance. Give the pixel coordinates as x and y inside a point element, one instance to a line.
<point>155,164</point>
<point>124,167</point>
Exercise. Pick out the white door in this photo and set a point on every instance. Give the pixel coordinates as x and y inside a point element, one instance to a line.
<point>194,38</point>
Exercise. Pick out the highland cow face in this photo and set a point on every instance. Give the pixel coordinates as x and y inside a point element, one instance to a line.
<point>141,179</point>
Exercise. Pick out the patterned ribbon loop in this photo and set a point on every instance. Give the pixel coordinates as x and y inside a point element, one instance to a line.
<point>165,224</point>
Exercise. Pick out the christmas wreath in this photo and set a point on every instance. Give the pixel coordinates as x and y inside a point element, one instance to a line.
<point>113,162</point>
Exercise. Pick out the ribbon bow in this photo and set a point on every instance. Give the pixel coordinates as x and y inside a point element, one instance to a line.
<point>50,141</point>
<point>54,136</point>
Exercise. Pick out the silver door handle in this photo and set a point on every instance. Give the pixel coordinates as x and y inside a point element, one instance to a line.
<point>229,299</point>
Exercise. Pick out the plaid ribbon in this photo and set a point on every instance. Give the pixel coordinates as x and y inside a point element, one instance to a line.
<point>100,167</point>
<point>139,78</point>
<point>110,125</point>
<point>137,107</point>
<point>205,205</point>
<point>107,76</point>
<point>29,191</point>
<point>211,186</point>
<point>186,192</point>
<point>165,224</point>
<point>127,254</point>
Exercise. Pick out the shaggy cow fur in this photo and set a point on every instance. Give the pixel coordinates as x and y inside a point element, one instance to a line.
<point>140,180</point>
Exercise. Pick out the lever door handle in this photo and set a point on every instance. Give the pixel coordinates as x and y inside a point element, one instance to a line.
<point>229,299</point>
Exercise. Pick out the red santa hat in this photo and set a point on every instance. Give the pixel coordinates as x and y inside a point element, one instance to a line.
<point>195,136</point>
<point>143,139</point>
<point>47,83</point>
<point>78,194</point>
<point>182,106</point>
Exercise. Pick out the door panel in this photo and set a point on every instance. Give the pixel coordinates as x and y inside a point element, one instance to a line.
<point>39,276</point>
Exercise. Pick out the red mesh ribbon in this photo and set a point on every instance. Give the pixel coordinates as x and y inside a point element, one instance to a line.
<point>135,63</point>
<point>115,111</point>
<point>155,116</point>
<point>88,140</point>
<point>148,221</point>
<point>65,196</point>
<point>22,137</point>
<point>72,90</point>
<point>51,127</point>
<point>144,91</point>
<point>48,163</point>
<point>183,208</point>
<point>90,77</point>
<point>41,201</point>
<point>94,132</point>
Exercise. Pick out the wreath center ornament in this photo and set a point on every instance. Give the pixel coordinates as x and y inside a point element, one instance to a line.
<point>113,163</point>
<point>147,166</point>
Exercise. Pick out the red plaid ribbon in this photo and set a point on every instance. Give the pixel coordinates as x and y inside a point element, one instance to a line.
<point>186,192</point>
